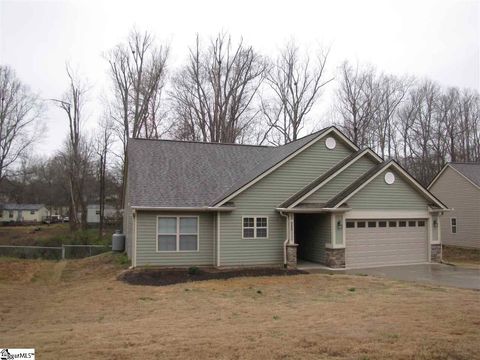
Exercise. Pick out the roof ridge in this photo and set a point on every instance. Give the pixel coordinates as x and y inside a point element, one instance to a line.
<point>465,162</point>
<point>203,142</point>
<point>303,137</point>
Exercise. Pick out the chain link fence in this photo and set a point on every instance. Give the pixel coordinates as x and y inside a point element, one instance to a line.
<point>53,252</point>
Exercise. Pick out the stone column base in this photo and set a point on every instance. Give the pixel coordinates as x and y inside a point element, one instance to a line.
<point>335,258</point>
<point>292,256</point>
<point>436,253</point>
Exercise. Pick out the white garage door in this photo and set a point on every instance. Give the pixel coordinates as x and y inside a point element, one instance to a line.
<point>385,242</point>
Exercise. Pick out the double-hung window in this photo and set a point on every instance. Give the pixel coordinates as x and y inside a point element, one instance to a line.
<point>255,227</point>
<point>177,233</point>
<point>453,223</point>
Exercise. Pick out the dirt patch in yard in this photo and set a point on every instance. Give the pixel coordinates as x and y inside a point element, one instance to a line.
<point>162,277</point>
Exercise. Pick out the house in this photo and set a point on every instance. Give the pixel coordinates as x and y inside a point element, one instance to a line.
<point>458,185</point>
<point>93,213</point>
<point>320,198</point>
<point>23,212</point>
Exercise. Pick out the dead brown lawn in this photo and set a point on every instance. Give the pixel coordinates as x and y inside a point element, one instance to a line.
<point>462,257</point>
<point>78,310</point>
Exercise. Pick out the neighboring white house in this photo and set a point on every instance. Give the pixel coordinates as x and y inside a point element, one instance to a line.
<point>22,212</point>
<point>93,213</point>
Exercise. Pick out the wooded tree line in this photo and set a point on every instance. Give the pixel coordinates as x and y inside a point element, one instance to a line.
<point>227,91</point>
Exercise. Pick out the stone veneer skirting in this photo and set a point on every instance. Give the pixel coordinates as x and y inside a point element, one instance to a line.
<point>292,255</point>
<point>335,258</point>
<point>436,253</point>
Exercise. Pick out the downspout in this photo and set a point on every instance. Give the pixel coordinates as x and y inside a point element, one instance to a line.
<point>287,232</point>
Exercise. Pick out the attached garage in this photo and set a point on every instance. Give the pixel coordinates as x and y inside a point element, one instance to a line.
<point>377,242</point>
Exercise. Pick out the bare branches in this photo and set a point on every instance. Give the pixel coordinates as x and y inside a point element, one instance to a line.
<point>295,84</point>
<point>213,92</point>
<point>20,111</point>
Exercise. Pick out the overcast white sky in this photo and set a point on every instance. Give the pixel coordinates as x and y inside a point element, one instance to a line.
<point>435,39</point>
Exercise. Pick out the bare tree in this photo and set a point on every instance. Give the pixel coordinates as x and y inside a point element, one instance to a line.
<point>213,92</point>
<point>76,155</point>
<point>358,101</point>
<point>103,145</point>
<point>138,72</point>
<point>296,83</point>
<point>391,92</point>
<point>20,112</point>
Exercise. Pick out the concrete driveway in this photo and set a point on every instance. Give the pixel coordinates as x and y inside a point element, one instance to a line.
<point>436,274</point>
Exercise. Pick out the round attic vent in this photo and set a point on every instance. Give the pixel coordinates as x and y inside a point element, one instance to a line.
<point>330,143</point>
<point>389,178</point>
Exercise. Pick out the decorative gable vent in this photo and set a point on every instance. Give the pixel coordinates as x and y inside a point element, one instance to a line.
<point>330,143</point>
<point>389,178</point>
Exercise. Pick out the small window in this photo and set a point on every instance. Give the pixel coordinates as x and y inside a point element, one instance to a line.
<point>392,224</point>
<point>360,224</point>
<point>382,224</point>
<point>177,233</point>
<point>255,227</point>
<point>1,213</point>
<point>372,224</point>
<point>421,223</point>
<point>32,212</point>
<point>402,223</point>
<point>350,224</point>
<point>412,223</point>
<point>97,212</point>
<point>10,214</point>
<point>453,223</point>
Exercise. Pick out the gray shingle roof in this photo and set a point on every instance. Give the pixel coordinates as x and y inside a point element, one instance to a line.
<point>21,206</point>
<point>470,170</point>
<point>166,173</point>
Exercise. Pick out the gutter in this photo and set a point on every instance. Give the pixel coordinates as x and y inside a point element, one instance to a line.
<point>312,210</point>
<point>197,208</point>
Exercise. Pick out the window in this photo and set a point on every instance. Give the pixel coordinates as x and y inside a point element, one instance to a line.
<point>1,213</point>
<point>372,224</point>
<point>421,223</point>
<point>177,233</point>
<point>453,223</point>
<point>10,214</point>
<point>350,224</point>
<point>32,212</point>
<point>382,224</point>
<point>392,224</point>
<point>255,227</point>
<point>360,224</point>
<point>412,223</point>
<point>97,212</point>
<point>402,223</point>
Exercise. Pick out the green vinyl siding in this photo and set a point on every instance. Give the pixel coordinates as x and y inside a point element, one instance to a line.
<point>378,195</point>
<point>312,232</point>
<point>147,254</point>
<point>341,181</point>
<point>263,197</point>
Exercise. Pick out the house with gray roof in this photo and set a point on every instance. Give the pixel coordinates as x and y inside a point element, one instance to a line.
<point>318,199</point>
<point>458,186</point>
<point>29,213</point>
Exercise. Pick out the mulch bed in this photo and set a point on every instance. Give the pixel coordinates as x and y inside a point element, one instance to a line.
<point>162,277</point>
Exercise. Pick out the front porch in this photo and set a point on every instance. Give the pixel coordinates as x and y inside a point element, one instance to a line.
<point>315,239</point>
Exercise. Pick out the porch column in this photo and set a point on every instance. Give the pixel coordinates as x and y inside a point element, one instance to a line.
<point>291,246</point>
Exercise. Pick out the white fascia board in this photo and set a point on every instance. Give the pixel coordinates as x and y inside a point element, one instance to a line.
<point>405,174</point>
<point>438,175</point>
<point>288,158</point>
<point>334,175</point>
<point>204,208</point>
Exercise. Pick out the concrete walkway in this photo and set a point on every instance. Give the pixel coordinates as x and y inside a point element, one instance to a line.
<point>436,274</point>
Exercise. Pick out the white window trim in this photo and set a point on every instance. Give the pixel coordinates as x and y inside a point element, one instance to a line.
<point>451,226</point>
<point>255,227</point>
<point>178,234</point>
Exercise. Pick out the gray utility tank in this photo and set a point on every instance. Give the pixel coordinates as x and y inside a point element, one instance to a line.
<point>118,241</point>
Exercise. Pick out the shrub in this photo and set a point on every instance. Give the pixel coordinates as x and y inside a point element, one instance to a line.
<point>193,270</point>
